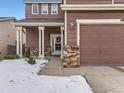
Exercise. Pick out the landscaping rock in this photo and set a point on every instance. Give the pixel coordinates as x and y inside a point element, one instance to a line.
<point>71,56</point>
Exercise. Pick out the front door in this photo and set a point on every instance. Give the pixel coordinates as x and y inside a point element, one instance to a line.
<point>56,44</point>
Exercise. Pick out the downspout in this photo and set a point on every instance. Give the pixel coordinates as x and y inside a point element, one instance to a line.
<point>113,1</point>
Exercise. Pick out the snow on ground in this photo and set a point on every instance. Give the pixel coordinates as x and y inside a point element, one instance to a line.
<point>17,76</point>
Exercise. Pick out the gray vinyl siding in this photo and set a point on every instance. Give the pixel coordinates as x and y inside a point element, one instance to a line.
<point>7,36</point>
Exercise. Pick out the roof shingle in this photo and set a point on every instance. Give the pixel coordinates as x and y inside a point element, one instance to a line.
<point>7,18</point>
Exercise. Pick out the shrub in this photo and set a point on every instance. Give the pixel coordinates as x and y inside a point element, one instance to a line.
<point>12,57</point>
<point>31,61</point>
<point>28,53</point>
<point>29,56</point>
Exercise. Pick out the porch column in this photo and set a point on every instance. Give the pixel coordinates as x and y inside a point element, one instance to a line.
<point>62,30</point>
<point>24,36</point>
<point>17,40</point>
<point>41,29</point>
<point>21,41</point>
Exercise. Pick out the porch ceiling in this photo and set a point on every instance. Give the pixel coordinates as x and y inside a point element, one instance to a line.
<point>41,22</point>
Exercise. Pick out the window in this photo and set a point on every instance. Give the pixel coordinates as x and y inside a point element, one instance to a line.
<point>54,8</point>
<point>35,9</point>
<point>44,8</point>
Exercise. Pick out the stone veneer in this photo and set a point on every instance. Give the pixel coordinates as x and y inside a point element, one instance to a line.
<point>71,56</point>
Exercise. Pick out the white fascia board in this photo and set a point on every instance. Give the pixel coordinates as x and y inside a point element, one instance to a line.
<point>96,22</point>
<point>38,24</point>
<point>92,7</point>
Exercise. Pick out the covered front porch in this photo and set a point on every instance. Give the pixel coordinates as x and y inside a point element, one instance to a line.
<point>40,36</point>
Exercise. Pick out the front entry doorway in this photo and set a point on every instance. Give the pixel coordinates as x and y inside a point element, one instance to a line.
<point>55,44</point>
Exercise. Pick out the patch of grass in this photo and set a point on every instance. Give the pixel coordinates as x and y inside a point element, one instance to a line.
<point>12,57</point>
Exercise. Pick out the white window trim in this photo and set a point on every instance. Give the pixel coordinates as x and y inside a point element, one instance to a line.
<point>57,9</point>
<point>42,9</point>
<point>37,9</point>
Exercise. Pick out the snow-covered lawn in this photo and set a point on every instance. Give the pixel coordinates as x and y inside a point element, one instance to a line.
<point>17,76</point>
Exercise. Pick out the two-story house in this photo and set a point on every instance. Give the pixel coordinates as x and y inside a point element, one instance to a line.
<point>95,26</point>
<point>42,27</point>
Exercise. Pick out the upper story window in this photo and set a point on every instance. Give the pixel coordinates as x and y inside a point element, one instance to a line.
<point>54,9</point>
<point>44,8</point>
<point>35,9</point>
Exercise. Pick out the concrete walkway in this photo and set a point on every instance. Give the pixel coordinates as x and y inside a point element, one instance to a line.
<point>102,79</point>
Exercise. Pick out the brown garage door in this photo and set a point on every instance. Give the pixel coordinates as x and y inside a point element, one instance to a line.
<point>102,44</point>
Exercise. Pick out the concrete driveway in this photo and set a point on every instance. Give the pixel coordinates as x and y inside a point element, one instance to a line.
<point>105,79</point>
<point>102,79</point>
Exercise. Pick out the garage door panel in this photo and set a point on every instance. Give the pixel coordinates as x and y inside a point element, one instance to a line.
<point>102,44</point>
<point>111,42</point>
<point>87,51</point>
<point>88,46</point>
<point>93,59</point>
<point>115,59</point>
<point>105,59</point>
<point>93,39</point>
<point>112,51</point>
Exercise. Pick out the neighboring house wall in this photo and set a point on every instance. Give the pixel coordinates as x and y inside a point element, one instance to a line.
<point>73,15</point>
<point>93,1</point>
<point>28,12</point>
<point>7,36</point>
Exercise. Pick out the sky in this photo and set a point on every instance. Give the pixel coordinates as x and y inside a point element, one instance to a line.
<point>12,8</point>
